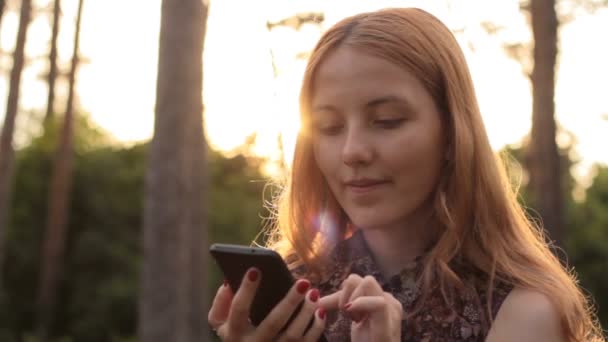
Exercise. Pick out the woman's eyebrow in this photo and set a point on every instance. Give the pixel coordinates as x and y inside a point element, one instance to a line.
<point>322,108</point>
<point>388,99</point>
<point>370,104</point>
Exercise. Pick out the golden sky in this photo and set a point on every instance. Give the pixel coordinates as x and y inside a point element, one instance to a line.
<point>120,40</point>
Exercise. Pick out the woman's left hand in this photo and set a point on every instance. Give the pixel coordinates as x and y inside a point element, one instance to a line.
<point>376,314</point>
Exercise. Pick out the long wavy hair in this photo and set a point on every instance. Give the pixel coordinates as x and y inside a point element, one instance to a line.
<point>475,204</point>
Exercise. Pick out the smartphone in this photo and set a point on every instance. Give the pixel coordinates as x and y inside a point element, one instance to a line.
<point>235,260</point>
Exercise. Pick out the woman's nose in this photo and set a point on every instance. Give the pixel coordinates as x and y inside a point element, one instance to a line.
<point>357,149</point>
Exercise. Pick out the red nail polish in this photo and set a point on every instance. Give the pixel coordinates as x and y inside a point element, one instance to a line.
<point>225,283</point>
<point>321,313</point>
<point>347,306</point>
<point>253,274</point>
<point>313,295</point>
<point>303,286</point>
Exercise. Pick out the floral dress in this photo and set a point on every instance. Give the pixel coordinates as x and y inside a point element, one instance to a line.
<point>465,319</point>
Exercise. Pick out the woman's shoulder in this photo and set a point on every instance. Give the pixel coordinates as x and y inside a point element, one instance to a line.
<point>526,315</point>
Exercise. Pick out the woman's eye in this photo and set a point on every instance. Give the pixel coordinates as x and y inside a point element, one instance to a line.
<point>387,123</point>
<point>330,130</point>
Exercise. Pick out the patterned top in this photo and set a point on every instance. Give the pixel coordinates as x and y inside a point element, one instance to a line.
<point>464,320</point>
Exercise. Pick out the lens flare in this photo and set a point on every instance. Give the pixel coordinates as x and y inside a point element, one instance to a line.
<point>326,224</point>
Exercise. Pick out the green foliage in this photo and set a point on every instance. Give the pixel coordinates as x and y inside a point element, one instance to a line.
<point>586,226</point>
<point>588,241</point>
<point>99,287</point>
<point>98,291</point>
<point>242,173</point>
<point>236,209</point>
<point>516,164</point>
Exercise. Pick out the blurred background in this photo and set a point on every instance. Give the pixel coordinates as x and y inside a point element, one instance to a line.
<point>99,202</point>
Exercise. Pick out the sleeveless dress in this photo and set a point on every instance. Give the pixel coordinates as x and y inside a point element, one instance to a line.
<point>466,319</point>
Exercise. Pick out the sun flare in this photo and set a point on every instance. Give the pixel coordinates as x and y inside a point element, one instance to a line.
<point>252,73</point>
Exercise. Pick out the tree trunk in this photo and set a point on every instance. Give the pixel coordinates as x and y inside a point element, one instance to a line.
<point>2,6</point>
<point>7,153</point>
<point>543,159</point>
<point>173,301</point>
<point>58,204</point>
<point>53,61</point>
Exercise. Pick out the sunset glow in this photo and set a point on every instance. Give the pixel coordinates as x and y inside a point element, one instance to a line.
<point>242,95</point>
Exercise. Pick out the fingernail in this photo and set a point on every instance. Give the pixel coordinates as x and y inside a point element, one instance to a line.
<point>225,282</point>
<point>303,286</point>
<point>321,313</point>
<point>347,306</point>
<point>313,295</point>
<point>253,274</point>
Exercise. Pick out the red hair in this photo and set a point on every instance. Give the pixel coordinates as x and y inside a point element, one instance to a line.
<point>475,205</point>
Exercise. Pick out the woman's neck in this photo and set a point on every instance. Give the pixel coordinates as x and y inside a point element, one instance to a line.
<point>394,247</point>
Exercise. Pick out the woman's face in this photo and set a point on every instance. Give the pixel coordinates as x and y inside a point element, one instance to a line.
<point>377,138</point>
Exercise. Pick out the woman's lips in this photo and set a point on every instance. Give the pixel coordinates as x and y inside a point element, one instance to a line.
<point>364,186</point>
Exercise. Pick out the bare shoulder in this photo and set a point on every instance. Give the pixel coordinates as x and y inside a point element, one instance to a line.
<point>526,315</point>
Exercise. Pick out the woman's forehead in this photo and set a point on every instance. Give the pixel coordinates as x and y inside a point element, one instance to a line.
<point>348,74</point>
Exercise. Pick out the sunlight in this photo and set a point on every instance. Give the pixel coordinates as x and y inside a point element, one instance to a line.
<point>119,85</point>
<point>243,96</point>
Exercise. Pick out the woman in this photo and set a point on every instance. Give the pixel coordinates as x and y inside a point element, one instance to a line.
<point>397,212</point>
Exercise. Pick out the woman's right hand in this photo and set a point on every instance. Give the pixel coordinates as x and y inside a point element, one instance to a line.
<point>229,314</point>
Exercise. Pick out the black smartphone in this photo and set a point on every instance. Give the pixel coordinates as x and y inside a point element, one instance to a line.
<point>235,260</point>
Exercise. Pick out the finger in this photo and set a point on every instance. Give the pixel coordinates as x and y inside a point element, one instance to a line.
<point>238,318</point>
<point>316,330</point>
<point>379,308</point>
<point>222,332</point>
<point>348,286</point>
<point>394,305</point>
<point>368,304</point>
<point>298,326</point>
<point>384,314</point>
<point>368,286</point>
<point>278,317</point>
<point>331,302</point>
<point>220,308</point>
<point>362,308</point>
